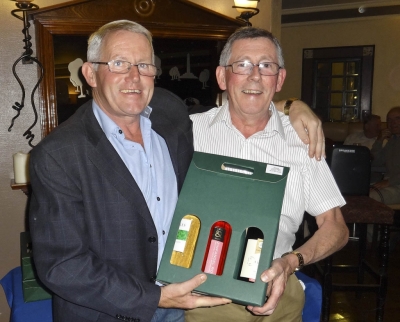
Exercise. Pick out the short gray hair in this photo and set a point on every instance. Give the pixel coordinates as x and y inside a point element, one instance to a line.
<point>250,33</point>
<point>96,39</point>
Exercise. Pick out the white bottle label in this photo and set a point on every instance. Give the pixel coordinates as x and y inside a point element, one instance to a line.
<point>251,259</point>
<point>182,235</point>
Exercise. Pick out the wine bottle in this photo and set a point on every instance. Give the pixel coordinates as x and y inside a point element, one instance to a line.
<point>185,242</point>
<point>217,247</point>
<point>251,254</point>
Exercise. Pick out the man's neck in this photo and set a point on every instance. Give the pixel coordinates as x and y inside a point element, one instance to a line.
<point>249,124</point>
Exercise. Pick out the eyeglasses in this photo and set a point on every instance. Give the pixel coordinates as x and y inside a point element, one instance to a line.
<point>123,67</point>
<point>246,67</point>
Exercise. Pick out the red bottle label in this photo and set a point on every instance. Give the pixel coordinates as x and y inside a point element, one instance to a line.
<point>215,250</point>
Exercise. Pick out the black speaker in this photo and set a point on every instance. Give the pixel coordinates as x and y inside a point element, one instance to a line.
<point>351,168</point>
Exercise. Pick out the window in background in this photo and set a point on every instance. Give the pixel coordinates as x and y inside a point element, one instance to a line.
<point>337,82</point>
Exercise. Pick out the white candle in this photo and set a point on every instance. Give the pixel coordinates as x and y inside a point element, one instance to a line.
<point>21,167</point>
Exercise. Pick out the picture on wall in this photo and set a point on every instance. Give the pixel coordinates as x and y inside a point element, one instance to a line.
<point>186,67</point>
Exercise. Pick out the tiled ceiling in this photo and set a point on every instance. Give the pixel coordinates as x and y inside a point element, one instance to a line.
<point>298,11</point>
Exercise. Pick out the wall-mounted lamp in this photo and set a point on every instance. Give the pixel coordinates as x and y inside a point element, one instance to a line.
<point>247,9</point>
<point>24,7</point>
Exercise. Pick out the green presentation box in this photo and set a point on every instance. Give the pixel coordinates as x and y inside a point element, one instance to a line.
<point>33,289</point>
<point>251,197</point>
<point>27,265</point>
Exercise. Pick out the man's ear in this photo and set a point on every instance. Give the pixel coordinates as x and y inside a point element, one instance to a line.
<point>220,74</point>
<point>90,74</point>
<point>281,79</point>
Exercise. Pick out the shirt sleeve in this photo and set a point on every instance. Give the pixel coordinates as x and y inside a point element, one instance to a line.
<point>321,190</point>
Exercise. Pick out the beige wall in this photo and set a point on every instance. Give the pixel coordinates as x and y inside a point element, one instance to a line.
<point>381,32</point>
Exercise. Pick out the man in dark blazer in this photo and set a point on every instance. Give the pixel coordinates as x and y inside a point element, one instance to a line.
<point>99,215</point>
<point>95,242</point>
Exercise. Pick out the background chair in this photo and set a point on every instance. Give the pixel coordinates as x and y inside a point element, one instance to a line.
<point>39,311</point>
<point>313,298</point>
<point>351,168</point>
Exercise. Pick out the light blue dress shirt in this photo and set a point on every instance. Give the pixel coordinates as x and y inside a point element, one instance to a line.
<point>151,167</point>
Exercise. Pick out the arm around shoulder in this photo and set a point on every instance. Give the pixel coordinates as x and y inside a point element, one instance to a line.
<point>306,123</point>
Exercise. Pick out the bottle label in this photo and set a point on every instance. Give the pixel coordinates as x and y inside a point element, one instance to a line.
<point>214,253</point>
<point>182,235</point>
<point>251,259</point>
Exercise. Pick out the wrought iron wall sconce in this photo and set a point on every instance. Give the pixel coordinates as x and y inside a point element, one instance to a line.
<point>247,9</point>
<point>24,7</point>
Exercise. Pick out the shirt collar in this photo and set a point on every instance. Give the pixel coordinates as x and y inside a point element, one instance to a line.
<point>108,125</point>
<point>276,122</point>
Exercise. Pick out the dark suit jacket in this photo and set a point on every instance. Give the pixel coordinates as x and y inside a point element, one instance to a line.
<point>94,240</point>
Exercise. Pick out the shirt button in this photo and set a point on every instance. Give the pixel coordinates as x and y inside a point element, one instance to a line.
<point>120,131</point>
<point>152,239</point>
<point>163,232</point>
<point>158,198</point>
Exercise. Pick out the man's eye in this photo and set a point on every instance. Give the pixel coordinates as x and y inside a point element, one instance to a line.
<point>143,66</point>
<point>118,63</point>
<point>242,64</point>
<point>265,65</point>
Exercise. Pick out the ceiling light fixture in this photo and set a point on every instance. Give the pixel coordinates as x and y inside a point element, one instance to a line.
<point>247,9</point>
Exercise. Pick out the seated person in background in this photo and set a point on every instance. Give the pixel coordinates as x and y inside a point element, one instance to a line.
<point>388,189</point>
<point>371,130</point>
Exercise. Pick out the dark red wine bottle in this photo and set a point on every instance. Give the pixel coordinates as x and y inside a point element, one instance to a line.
<point>251,255</point>
<point>217,247</point>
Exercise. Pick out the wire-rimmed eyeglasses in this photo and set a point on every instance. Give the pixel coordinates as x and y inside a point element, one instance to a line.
<point>123,67</point>
<point>245,68</point>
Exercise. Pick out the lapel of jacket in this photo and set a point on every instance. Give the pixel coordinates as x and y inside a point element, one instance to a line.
<point>163,127</point>
<point>103,155</point>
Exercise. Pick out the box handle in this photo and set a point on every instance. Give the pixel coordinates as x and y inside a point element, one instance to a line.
<point>237,168</point>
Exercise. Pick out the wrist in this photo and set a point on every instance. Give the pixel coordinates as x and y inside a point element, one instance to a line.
<point>295,260</point>
<point>288,104</point>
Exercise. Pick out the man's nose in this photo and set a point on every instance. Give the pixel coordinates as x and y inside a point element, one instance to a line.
<point>133,72</point>
<point>255,72</point>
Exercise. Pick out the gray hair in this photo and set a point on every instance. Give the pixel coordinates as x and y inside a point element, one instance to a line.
<point>96,39</point>
<point>250,33</point>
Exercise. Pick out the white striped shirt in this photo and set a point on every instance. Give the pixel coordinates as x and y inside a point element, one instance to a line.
<point>310,186</point>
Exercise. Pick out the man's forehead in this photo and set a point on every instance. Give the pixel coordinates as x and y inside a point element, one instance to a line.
<point>240,48</point>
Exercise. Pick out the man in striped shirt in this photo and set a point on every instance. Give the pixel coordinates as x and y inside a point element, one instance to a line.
<point>248,126</point>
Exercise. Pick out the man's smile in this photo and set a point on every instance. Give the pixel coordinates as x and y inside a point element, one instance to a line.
<point>251,91</point>
<point>128,91</point>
